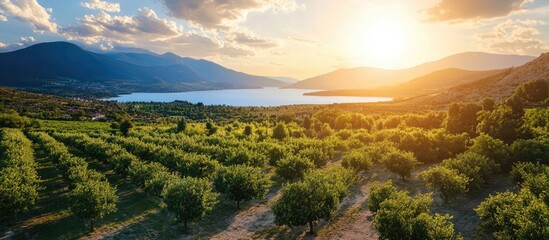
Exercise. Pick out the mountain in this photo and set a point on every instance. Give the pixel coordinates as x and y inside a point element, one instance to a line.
<point>365,77</point>
<point>66,69</point>
<point>498,86</point>
<point>287,80</point>
<point>208,70</point>
<point>431,83</point>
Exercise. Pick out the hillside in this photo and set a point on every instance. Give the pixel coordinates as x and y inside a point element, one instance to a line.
<point>210,71</point>
<point>364,77</point>
<point>65,69</point>
<point>428,84</point>
<point>498,86</point>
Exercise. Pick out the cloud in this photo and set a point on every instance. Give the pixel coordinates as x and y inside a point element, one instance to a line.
<point>221,13</point>
<point>515,37</point>
<point>462,10</point>
<point>198,45</point>
<point>144,26</point>
<point>29,11</point>
<point>251,40</point>
<point>24,42</point>
<point>102,5</point>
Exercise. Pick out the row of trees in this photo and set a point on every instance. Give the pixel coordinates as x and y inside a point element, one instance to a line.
<point>91,196</point>
<point>187,164</point>
<point>18,177</point>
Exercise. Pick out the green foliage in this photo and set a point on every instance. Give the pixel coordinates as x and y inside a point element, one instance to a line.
<point>380,193</point>
<point>515,216</point>
<point>189,199</point>
<point>13,120</point>
<point>181,125</point>
<point>475,167</point>
<point>534,91</point>
<point>494,149</point>
<point>319,156</point>
<point>314,198</point>
<point>358,160</point>
<point>462,117</point>
<point>294,167</point>
<point>125,126</point>
<point>400,162</point>
<point>280,132</point>
<point>530,150</point>
<point>502,123</point>
<point>211,128</point>
<point>248,131</point>
<point>18,177</point>
<point>449,182</point>
<point>92,200</point>
<point>523,170</point>
<point>240,183</point>
<point>400,216</point>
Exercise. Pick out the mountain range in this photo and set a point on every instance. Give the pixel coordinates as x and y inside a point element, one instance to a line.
<point>66,69</point>
<point>367,78</point>
<point>431,83</point>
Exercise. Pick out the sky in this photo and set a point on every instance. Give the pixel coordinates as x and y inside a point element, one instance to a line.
<point>294,38</point>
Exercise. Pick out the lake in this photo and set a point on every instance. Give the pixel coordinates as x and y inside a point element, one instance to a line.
<point>266,97</point>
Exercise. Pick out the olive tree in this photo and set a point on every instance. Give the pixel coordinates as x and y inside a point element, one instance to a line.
<point>241,182</point>
<point>399,162</point>
<point>307,201</point>
<point>92,200</point>
<point>190,199</point>
<point>449,182</point>
<point>294,167</point>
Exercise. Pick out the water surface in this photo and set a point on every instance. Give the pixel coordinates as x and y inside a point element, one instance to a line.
<point>266,97</point>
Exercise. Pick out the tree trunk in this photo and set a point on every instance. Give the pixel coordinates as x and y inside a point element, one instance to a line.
<point>92,227</point>
<point>238,204</point>
<point>186,228</point>
<point>311,230</point>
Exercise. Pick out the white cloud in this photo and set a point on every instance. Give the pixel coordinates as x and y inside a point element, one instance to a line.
<point>3,18</point>
<point>102,5</point>
<point>29,11</point>
<point>221,13</point>
<point>144,26</point>
<point>24,42</point>
<point>251,40</point>
<point>460,10</point>
<point>515,37</point>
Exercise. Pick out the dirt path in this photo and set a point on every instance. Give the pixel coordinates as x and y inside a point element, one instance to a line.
<point>256,218</point>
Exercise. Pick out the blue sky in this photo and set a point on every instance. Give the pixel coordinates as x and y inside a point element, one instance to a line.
<point>298,38</point>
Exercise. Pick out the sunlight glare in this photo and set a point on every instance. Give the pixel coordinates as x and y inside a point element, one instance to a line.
<point>383,40</point>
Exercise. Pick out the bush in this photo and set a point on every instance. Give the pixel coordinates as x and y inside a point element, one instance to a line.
<point>475,167</point>
<point>358,160</point>
<point>380,193</point>
<point>404,217</point>
<point>530,150</point>
<point>447,181</point>
<point>494,149</point>
<point>293,168</point>
<point>515,216</point>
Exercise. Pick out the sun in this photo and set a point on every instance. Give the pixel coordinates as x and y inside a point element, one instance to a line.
<point>383,40</point>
